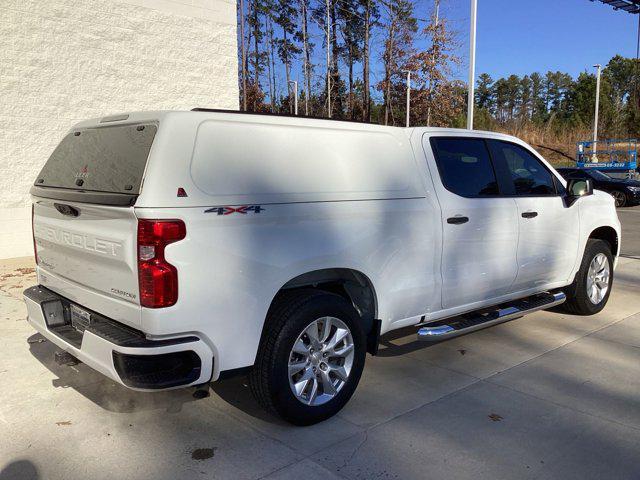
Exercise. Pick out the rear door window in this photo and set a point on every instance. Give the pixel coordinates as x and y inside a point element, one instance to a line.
<point>105,159</point>
<point>465,166</point>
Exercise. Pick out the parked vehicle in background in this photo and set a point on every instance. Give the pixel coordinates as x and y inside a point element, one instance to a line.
<point>178,248</point>
<point>625,191</point>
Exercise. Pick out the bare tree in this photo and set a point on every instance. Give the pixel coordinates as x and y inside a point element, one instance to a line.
<point>398,48</point>
<point>440,101</point>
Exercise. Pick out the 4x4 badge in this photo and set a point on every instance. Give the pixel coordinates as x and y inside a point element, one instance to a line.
<point>244,209</point>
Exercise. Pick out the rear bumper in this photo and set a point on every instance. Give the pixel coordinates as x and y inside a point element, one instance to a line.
<point>121,353</point>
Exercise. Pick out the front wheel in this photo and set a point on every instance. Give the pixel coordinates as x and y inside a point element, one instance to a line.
<point>590,291</point>
<point>310,358</point>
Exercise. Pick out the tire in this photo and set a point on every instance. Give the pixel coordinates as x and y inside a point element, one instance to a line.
<point>619,197</point>
<point>579,301</point>
<point>288,320</point>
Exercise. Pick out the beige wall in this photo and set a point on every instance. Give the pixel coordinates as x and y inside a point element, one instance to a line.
<point>65,60</point>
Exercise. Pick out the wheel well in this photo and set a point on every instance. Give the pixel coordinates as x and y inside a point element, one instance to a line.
<point>351,284</point>
<point>609,235</point>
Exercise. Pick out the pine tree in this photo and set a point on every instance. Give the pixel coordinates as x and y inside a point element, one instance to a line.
<point>287,48</point>
<point>371,16</point>
<point>307,47</point>
<point>539,109</point>
<point>254,93</point>
<point>352,27</point>
<point>484,93</point>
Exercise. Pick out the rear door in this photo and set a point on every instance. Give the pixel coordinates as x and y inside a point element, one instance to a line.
<point>84,223</point>
<point>480,228</point>
<point>549,229</point>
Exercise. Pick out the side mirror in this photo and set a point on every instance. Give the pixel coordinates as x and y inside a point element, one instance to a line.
<point>577,188</point>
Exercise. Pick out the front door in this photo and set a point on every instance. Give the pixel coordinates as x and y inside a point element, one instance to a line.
<point>549,230</point>
<point>480,228</point>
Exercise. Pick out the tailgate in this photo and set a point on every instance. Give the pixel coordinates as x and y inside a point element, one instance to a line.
<point>87,253</point>
<point>85,229</point>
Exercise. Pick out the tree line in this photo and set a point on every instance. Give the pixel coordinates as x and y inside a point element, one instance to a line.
<point>351,59</point>
<point>560,104</point>
<point>331,42</point>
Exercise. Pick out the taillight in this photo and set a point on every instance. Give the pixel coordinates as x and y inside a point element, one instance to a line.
<point>158,279</point>
<point>33,232</point>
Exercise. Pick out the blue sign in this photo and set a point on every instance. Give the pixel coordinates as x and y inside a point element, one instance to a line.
<point>608,165</point>
<point>612,154</point>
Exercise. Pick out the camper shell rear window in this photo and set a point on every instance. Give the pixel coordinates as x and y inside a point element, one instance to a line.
<point>107,159</point>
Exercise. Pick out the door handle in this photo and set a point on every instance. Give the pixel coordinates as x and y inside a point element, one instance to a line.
<point>457,220</point>
<point>529,214</point>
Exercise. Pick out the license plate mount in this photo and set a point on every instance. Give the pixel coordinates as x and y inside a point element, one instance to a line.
<point>80,318</point>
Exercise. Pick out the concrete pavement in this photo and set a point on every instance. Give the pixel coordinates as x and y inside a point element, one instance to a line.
<point>546,396</point>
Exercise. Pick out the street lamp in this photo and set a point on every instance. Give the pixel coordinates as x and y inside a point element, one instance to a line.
<point>594,158</point>
<point>295,96</point>
<point>472,64</point>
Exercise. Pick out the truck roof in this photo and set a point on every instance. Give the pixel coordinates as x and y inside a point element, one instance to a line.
<point>293,120</point>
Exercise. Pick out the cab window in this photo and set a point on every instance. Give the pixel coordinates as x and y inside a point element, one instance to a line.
<point>521,173</point>
<point>465,166</point>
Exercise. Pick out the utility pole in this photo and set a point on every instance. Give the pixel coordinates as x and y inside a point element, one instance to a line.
<point>408,72</point>
<point>328,64</point>
<point>295,96</point>
<point>594,158</point>
<point>472,64</point>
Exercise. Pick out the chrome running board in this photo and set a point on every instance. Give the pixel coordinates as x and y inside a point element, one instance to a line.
<point>472,321</point>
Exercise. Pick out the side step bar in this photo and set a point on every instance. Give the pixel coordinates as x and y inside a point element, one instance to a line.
<point>470,322</point>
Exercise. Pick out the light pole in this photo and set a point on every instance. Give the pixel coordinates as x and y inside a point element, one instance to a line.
<point>472,64</point>
<point>594,158</point>
<point>408,72</point>
<point>295,96</point>
<point>437,12</point>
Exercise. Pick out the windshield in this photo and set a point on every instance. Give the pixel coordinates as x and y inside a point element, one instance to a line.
<point>105,159</point>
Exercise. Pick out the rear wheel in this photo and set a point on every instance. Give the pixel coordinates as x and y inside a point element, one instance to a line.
<point>619,197</point>
<point>311,357</point>
<point>591,288</point>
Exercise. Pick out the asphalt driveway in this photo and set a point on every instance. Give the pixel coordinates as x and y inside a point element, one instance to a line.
<point>546,396</point>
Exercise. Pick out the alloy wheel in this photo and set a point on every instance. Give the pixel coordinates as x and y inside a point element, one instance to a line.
<point>598,277</point>
<point>320,361</point>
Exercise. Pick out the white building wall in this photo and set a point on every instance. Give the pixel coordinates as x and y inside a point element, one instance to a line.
<point>62,61</point>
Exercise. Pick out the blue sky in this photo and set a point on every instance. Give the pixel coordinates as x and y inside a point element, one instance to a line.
<point>513,36</point>
<point>523,36</point>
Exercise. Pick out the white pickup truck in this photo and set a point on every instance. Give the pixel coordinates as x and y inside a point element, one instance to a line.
<point>179,248</point>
